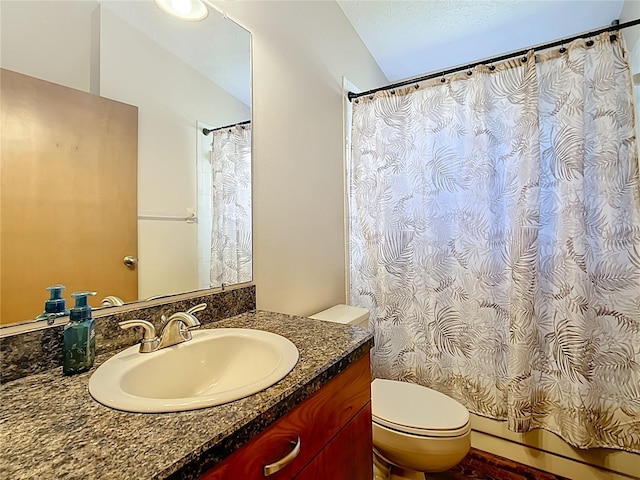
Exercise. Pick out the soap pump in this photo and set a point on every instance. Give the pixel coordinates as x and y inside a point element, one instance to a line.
<point>79,347</point>
<point>55,306</point>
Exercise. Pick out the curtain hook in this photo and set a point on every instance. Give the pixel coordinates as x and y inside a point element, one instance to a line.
<point>613,37</point>
<point>416,86</point>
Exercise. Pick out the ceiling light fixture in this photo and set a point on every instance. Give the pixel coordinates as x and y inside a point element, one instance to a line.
<point>184,9</point>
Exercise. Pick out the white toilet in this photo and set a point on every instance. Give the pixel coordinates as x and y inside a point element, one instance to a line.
<point>415,428</point>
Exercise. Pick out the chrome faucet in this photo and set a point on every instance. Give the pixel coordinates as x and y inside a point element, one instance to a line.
<point>149,342</point>
<point>177,329</point>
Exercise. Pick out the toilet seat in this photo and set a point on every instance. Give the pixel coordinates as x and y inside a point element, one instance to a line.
<point>417,410</point>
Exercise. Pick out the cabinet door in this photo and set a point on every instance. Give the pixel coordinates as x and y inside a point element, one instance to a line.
<point>349,456</point>
<point>315,422</point>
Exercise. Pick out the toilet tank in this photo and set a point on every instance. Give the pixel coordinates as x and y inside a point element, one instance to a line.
<point>345,314</point>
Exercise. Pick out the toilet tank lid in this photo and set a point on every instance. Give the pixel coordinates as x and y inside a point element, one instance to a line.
<point>410,406</point>
<point>345,314</point>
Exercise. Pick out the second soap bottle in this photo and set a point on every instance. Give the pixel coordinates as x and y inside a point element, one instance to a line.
<point>79,348</point>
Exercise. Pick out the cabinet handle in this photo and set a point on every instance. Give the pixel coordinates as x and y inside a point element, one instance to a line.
<point>284,461</point>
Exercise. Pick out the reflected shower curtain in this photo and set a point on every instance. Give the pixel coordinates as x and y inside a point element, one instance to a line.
<point>495,237</point>
<point>231,206</point>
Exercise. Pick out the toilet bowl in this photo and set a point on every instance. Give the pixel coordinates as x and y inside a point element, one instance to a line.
<point>418,429</point>
<point>415,429</point>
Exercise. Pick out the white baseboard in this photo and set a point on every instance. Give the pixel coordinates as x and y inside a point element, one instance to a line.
<point>546,451</point>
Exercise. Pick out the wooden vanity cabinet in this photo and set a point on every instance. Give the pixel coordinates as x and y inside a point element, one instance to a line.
<point>334,428</point>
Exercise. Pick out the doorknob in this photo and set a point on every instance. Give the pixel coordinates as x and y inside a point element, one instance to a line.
<point>130,261</point>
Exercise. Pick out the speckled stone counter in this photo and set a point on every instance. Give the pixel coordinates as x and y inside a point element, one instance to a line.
<point>51,428</point>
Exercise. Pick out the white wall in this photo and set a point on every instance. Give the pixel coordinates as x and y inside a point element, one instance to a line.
<point>48,40</point>
<point>631,11</point>
<point>301,50</point>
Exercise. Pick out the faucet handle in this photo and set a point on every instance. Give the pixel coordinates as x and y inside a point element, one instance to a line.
<point>196,308</point>
<point>177,328</point>
<point>149,342</point>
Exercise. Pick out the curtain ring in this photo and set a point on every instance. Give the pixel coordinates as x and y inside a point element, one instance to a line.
<point>613,37</point>
<point>393,92</point>
<point>442,80</point>
<point>492,67</point>
<point>562,49</point>
<point>523,59</point>
<point>589,43</point>
<point>469,73</point>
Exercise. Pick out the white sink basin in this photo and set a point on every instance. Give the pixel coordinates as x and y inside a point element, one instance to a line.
<point>217,366</point>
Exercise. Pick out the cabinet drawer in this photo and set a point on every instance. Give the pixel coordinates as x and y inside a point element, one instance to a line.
<point>315,422</point>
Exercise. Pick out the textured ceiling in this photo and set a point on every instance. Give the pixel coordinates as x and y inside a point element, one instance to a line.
<point>409,38</point>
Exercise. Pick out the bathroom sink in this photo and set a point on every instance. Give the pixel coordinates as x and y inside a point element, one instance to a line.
<point>216,366</point>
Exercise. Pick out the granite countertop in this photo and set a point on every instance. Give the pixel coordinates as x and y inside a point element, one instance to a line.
<point>50,427</point>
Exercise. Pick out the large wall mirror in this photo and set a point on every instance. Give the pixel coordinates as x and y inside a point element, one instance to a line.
<point>190,84</point>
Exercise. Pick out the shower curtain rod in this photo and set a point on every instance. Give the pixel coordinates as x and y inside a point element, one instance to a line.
<point>615,26</point>
<point>207,131</point>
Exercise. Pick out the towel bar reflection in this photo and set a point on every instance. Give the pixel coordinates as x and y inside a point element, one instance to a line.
<point>189,218</point>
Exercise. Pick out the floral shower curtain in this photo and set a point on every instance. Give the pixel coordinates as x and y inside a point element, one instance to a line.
<point>231,237</point>
<point>495,237</point>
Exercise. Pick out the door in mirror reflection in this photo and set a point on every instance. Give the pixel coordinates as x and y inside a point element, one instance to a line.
<point>68,194</point>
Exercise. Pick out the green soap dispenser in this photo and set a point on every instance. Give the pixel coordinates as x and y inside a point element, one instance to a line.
<point>55,306</point>
<point>79,347</point>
